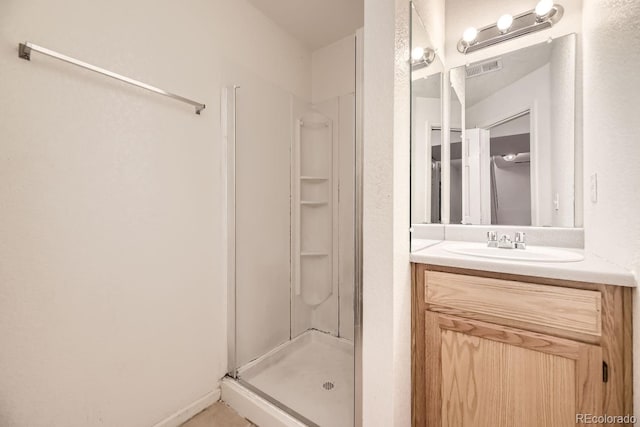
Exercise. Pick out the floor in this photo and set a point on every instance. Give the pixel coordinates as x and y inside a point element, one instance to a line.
<point>313,375</point>
<point>217,415</point>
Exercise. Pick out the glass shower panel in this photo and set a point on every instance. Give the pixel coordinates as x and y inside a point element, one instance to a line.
<point>262,217</point>
<point>292,269</point>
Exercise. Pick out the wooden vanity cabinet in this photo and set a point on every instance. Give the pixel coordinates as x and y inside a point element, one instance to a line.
<point>499,350</point>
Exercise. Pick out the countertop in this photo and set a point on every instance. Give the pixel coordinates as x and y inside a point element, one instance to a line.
<point>592,269</point>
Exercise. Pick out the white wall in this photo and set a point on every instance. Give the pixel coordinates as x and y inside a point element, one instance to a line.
<point>611,149</point>
<point>333,70</point>
<point>333,94</point>
<point>386,348</point>
<point>111,250</point>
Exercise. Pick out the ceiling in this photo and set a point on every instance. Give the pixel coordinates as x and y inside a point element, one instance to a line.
<point>515,65</point>
<point>316,23</point>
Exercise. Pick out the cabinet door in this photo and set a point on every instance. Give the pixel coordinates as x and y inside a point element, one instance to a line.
<point>480,374</point>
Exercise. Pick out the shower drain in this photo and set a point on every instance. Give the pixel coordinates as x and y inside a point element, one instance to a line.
<point>328,385</point>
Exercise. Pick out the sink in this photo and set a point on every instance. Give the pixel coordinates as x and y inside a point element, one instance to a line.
<point>531,254</point>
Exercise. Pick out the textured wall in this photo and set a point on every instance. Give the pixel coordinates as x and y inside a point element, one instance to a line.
<point>387,297</point>
<point>611,134</point>
<point>112,291</point>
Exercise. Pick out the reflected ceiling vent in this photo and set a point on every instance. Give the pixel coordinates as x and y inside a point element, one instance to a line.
<point>480,68</point>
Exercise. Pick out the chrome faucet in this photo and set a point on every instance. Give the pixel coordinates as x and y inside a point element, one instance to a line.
<point>505,241</point>
<point>492,239</point>
<point>520,242</point>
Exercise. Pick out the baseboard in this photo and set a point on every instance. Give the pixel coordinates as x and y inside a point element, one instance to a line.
<point>186,413</point>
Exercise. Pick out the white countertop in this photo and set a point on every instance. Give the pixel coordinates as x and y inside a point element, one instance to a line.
<point>419,244</point>
<point>592,269</point>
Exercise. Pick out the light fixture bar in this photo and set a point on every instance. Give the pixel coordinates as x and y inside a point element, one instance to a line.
<point>427,58</point>
<point>523,24</point>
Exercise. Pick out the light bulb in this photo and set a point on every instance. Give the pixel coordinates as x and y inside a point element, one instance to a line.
<point>469,35</point>
<point>504,23</point>
<point>509,157</point>
<point>417,53</point>
<point>544,7</point>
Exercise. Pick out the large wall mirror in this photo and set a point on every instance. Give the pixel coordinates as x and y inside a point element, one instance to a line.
<point>426,126</point>
<point>513,162</point>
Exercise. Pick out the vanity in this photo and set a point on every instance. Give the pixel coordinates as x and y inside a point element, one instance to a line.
<point>499,349</point>
<point>524,328</point>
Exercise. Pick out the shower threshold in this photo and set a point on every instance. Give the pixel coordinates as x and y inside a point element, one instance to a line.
<point>307,381</point>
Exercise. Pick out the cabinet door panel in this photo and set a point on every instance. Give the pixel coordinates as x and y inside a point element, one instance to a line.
<point>491,375</point>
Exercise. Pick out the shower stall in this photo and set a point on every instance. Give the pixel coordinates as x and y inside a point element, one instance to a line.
<point>293,267</point>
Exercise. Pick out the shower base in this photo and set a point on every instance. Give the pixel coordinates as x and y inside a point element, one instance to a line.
<point>311,375</point>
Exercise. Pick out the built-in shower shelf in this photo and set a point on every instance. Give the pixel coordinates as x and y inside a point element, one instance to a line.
<point>315,201</point>
<point>314,178</point>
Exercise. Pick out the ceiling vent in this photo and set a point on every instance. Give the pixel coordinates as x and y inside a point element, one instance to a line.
<point>481,68</point>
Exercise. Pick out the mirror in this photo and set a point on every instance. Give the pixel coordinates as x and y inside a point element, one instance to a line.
<point>455,151</point>
<point>515,165</point>
<point>426,126</point>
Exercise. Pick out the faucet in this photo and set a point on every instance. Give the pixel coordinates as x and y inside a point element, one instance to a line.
<point>520,240</point>
<point>492,239</point>
<point>505,241</point>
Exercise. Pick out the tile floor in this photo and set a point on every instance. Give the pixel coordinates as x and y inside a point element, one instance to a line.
<point>218,415</point>
<point>313,375</point>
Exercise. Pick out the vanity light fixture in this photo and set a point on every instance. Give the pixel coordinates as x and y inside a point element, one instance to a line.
<point>504,23</point>
<point>417,53</point>
<point>470,35</point>
<point>422,57</point>
<point>510,157</point>
<point>543,8</point>
<point>545,15</point>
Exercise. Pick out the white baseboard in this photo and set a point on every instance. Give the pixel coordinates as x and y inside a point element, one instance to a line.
<point>186,413</point>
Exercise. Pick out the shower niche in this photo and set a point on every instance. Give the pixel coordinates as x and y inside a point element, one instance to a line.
<point>314,209</point>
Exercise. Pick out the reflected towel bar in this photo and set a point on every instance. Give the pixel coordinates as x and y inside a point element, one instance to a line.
<point>24,52</point>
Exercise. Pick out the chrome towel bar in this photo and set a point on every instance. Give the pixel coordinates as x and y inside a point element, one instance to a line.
<point>25,49</point>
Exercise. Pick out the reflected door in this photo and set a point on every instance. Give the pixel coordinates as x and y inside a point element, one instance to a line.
<point>476,162</point>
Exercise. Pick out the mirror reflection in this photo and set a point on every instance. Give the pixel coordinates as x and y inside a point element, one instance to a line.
<point>515,165</point>
<point>426,127</point>
<point>455,169</point>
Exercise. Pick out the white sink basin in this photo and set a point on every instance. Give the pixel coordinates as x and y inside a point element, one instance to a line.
<point>531,254</point>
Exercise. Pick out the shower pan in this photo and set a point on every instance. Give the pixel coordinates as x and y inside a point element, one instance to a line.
<point>292,271</point>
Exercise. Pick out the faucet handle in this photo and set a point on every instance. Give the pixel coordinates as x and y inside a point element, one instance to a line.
<point>520,240</point>
<point>492,239</point>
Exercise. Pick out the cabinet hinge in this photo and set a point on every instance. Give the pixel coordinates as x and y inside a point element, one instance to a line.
<point>605,372</point>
